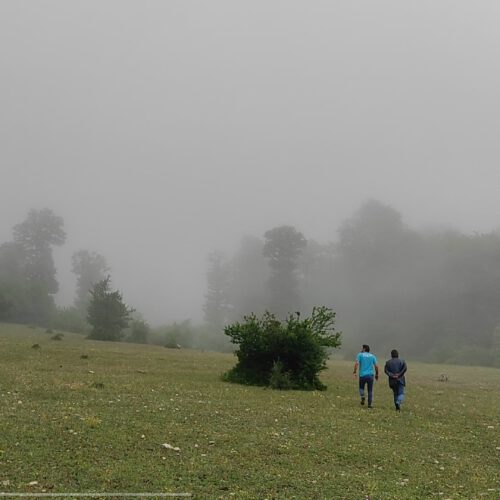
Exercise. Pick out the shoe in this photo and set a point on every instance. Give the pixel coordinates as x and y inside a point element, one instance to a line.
<point>362,401</point>
<point>398,407</point>
<point>370,406</point>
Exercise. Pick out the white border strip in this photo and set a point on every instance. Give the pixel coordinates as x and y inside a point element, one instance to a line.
<point>93,495</point>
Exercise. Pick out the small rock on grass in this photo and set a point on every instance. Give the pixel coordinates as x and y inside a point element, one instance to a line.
<point>170,447</point>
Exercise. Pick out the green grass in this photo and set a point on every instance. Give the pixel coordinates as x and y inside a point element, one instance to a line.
<point>97,424</point>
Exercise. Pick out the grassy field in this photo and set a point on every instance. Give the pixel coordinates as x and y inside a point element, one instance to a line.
<point>97,424</point>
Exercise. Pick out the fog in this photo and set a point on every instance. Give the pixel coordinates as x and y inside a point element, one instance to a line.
<point>163,130</point>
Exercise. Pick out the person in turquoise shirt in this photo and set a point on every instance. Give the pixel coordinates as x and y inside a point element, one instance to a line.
<point>368,370</point>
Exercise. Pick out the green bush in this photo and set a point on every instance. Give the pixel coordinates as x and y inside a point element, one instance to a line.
<point>138,332</point>
<point>290,353</point>
<point>179,335</point>
<point>279,378</point>
<point>69,319</point>
<point>107,313</point>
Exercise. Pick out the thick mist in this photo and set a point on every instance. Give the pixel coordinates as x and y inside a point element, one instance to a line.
<point>434,294</point>
<point>164,131</point>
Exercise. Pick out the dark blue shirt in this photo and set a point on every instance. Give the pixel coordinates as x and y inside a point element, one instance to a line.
<point>396,366</point>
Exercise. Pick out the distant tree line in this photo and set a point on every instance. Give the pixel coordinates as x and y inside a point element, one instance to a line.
<point>28,284</point>
<point>434,294</point>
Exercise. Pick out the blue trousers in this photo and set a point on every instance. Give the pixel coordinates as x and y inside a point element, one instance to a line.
<point>366,380</point>
<point>399,393</point>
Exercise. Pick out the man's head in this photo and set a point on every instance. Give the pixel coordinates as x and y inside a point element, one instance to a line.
<point>394,353</point>
<point>365,347</point>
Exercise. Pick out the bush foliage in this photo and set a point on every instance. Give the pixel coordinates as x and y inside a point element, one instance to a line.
<point>69,319</point>
<point>107,313</point>
<point>283,355</point>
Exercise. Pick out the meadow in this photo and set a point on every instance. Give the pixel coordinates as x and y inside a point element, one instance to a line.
<point>86,416</point>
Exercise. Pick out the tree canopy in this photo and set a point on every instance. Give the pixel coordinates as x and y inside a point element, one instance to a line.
<point>27,270</point>
<point>283,247</point>
<point>107,313</point>
<point>89,268</point>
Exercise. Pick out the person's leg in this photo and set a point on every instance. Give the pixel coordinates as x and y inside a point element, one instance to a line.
<point>369,381</point>
<point>362,389</point>
<point>401,394</point>
<point>395,394</point>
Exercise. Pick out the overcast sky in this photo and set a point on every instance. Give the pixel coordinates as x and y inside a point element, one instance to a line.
<point>160,130</point>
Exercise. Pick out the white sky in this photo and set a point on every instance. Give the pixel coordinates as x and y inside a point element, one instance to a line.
<point>161,130</point>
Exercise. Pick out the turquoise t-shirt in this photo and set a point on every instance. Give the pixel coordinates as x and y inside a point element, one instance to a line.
<point>366,362</point>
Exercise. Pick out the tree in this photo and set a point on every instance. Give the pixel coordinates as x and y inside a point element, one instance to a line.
<point>33,240</point>
<point>373,237</point>
<point>27,271</point>
<point>69,319</point>
<point>13,286</point>
<point>139,331</point>
<point>468,278</point>
<point>318,284</point>
<point>248,292</point>
<point>283,247</point>
<point>89,268</point>
<point>378,267</point>
<point>179,334</point>
<point>495,345</point>
<point>216,301</point>
<point>107,313</point>
<point>287,354</point>
<point>41,230</point>
<point>6,306</point>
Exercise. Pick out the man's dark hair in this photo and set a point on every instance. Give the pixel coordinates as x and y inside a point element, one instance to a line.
<point>394,353</point>
<point>366,347</point>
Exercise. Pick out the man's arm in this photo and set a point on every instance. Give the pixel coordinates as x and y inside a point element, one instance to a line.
<point>376,372</point>
<point>403,369</point>
<point>388,372</point>
<point>356,364</point>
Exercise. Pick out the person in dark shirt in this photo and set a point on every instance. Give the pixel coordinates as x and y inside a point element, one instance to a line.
<point>395,368</point>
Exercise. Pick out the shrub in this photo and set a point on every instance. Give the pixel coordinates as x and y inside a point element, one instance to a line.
<point>139,332</point>
<point>69,319</point>
<point>171,344</point>
<point>178,335</point>
<point>107,313</point>
<point>290,353</point>
<point>279,378</point>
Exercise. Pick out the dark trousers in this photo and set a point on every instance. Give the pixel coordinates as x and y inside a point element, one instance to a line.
<point>366,380</point>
